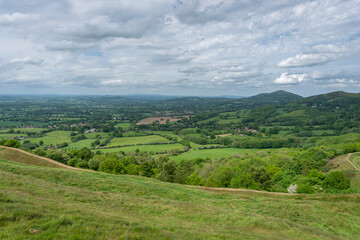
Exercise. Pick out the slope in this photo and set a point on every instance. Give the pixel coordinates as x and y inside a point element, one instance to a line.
<point>50,203</point>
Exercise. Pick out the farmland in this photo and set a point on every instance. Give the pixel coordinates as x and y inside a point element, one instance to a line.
<point>138,140</point>
<point>160,120</point>
<point>146,148</point>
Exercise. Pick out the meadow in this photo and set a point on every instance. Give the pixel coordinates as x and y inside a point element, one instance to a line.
<point>138,140</point>
<point>53,137</point>
<point>48,203</point>
<point>211,153</point>
<point>147,148</point>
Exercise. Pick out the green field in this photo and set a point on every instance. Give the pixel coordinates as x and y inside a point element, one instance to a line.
<point>24,130</point>
<point>10,135</point>
<point>81,144</point>
<point>125,125</point>
<point>138,140</point>
<point>94,134</point>
<point>54,138</point>
<point>147,148</point>
<point>49,203</point>
<point>212,153</point>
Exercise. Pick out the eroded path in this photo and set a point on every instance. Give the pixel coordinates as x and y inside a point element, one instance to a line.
<point>352,164</point>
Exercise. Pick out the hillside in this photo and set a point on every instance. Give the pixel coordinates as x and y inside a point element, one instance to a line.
<point>50,203</point>
<point>337,99</point>
<point>277,97</point>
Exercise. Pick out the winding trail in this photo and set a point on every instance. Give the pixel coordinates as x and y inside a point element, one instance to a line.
<point>199,187</point>
<point>352,164</point>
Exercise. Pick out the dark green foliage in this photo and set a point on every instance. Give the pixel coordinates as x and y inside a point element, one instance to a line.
<point>94,164</point>
<point>146,169</point>
<point>336,180</point>
<point>168,172</point>
<point>12,143</point>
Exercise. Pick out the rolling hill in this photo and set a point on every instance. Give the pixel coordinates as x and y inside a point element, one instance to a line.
<point>39,202</point>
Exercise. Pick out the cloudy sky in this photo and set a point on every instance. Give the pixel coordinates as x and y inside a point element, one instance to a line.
<point>179,47</point>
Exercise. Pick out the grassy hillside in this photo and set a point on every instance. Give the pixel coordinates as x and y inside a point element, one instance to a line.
<point>48,203</point>
<point>23,158</point>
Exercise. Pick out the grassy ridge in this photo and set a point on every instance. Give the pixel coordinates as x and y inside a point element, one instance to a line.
<point>23,158</point>
<point>49,203</point>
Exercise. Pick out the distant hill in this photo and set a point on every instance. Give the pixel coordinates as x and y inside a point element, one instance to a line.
<point>334,99</point>
<point>278,97</point>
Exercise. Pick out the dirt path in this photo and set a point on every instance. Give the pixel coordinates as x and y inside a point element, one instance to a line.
<point>48,159</point>
<point>348,159</point>
<point>203,188</point>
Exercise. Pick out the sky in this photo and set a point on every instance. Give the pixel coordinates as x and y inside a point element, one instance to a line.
<point>179,47</point>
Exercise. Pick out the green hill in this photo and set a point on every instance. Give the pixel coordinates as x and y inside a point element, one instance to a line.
<point>50,203</point>
<point>278,97</point>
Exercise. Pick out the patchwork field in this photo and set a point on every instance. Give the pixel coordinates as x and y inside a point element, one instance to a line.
<point>138,140</point>
<point>161,120</point>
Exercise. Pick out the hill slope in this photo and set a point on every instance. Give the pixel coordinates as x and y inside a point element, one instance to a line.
<point>49,203</point>
<point>278,97</point>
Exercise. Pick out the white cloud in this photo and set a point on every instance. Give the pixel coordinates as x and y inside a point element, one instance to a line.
<point>27,60</point>
<point>113,82</point>
<point>180,46</point>
<point>305,60</point>
<point>290,79</point>
<point>16,18</point>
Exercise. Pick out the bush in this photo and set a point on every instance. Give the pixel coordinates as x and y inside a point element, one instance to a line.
<point>336,180</point>
<point>195,180</point>
<point>242,181</point>
<point>94,164</point>
<point>12,143</point>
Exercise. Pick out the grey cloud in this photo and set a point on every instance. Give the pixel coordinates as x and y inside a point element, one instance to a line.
<point>17,18</point>
<point>201,12</point>
<point>27,60</point>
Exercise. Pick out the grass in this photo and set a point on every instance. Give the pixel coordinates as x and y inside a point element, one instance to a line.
<point>11,135</point>
<point>24,130</point>
<point>23,158</point>
<point>147,148</point>
<point>355,159</point>
<point>211,153</point>
<point>94,134</point>
<point>125,125</point>
<point>53,137</point>
<point>81,144</point>
<point>138,140</point>
<point>48,203</point>
<point>340,164</point>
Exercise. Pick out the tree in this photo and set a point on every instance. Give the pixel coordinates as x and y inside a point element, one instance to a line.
<point>94,164</point>
<point>242,181</point>
<point>195,179</point>
<point>168,172</point>
<point>146,169</point>
<point>132,169</point>
<point>336,180</point>
<point>12,143</point>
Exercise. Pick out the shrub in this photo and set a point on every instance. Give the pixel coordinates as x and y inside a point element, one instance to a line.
<point>94,164</point>
<point>195,180</point>
<point>12,143</point>
<point>336,180</point>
